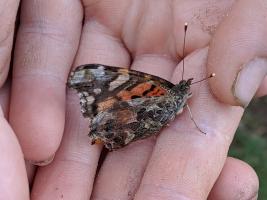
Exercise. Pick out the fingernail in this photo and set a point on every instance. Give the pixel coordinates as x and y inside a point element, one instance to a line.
<point>43,162</point>
<point>248,80</point>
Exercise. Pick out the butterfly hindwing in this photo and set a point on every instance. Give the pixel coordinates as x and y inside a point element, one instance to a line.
<point>132,120</point>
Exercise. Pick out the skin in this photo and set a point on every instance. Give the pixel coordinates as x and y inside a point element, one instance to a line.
<point>13,175</point>
<point>181,163</point>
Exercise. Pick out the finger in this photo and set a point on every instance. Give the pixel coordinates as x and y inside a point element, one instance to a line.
<point>8,13</point>
<point>185,163</point>
<point>238,53</point>
<point>13,177</point>
<point>71,174</point>
<point>236,181</point>
<point>46,45</point>
<point>4,102</point>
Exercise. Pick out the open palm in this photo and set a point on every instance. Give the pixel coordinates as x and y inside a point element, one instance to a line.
<point>181,163</point>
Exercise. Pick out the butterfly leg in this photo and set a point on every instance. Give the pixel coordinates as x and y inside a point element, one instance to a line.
<point>192,118</point>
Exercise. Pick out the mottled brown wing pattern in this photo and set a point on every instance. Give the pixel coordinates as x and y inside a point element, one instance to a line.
<point>132,120</point>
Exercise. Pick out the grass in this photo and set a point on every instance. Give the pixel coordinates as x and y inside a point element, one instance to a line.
<point>250,142</point>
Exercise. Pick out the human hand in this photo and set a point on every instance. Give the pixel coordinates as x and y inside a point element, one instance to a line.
<point>182,162</point>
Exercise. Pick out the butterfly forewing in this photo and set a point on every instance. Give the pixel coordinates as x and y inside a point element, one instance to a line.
<point>124,105</point>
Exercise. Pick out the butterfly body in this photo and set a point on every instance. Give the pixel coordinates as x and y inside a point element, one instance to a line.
<point>126,105</point>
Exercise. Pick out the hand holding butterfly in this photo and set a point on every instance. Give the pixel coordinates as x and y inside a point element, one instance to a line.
<point>181,163</point>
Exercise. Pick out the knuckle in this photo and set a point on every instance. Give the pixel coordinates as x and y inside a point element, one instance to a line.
<point>46,30</point>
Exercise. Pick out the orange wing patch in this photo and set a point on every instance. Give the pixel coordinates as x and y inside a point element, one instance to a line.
<point>142,90</point>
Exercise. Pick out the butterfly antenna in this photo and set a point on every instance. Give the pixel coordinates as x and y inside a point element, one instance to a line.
<point>210,76</point>
<point>185,30</point>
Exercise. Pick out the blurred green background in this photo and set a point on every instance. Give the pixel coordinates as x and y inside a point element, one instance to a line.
<point>250,142</point>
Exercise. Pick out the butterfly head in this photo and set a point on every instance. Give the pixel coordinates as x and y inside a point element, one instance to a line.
<point>183,88</point>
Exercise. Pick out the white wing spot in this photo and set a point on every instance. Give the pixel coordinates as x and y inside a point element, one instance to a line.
<point>90,100</point>
<point>101,67</point>
<point>97,90</point>
<point>123,78</point>
<point>100,71</point>
<point>85,94</point>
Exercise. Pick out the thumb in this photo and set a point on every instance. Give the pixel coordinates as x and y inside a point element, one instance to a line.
<point>238,53</point>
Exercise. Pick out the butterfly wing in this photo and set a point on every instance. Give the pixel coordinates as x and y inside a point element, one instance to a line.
<point>100,86</point>
<point>132,120</point>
